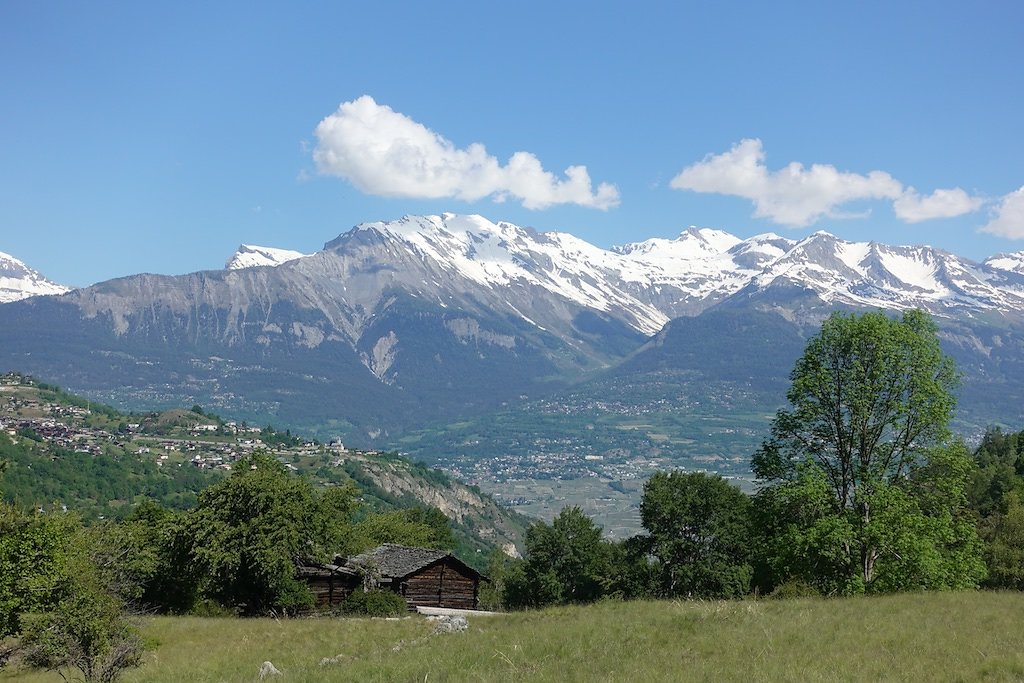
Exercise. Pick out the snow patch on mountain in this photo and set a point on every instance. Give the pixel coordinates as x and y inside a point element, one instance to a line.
<point>18,281</point>
<point>693,244</point>
<point>914,269</point>
<point>251,256</point>
<point>852,254</point>
<point>1013,263</point>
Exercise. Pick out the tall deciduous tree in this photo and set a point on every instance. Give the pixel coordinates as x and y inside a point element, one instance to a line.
<point>699,531</point>
<point>248,530</point>
<point>853,465</point>
<point>566,561</point>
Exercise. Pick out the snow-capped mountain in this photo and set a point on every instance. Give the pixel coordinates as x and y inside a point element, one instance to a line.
<point>428,318</point>
<point>644,284</point>
<point>518,266</point>
<point>18,281</point>
<point>647,283</point>
<point>250,256</point>
<point>874,275</point>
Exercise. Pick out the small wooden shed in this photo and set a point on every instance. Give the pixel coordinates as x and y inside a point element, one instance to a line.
<point>424,577</point>
<point>331,584</point>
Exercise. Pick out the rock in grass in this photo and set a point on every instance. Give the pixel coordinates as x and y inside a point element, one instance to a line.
<point>451,625</point>
<point>336,659</point>
<point>268,669</point>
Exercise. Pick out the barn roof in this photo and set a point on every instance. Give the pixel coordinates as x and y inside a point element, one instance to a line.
<point>308,569</point>
<point>395,561</point>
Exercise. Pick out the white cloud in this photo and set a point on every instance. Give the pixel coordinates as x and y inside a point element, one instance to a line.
<point>386,153</point>
<point>1008,217</point>
<point>911,207</point>
<point>799,196</point>
<point>793,195</point>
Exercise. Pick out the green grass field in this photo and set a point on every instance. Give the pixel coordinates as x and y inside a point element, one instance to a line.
<point>934,637</point>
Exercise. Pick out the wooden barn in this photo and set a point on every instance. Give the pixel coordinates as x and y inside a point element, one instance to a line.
<point>331,584</point>
<point>424,577</point>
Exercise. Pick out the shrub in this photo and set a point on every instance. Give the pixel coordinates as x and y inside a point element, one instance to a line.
<point>86,631</point>
<point>212,609</point>
<point>375,603</point>
<point>794,588</point>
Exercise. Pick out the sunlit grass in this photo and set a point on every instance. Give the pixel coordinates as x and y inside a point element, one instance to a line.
<point>932,637</point>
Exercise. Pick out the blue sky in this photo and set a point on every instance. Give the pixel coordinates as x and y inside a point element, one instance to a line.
<point>148,137</point>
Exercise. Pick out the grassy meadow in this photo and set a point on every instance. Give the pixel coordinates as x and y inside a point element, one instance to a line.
<point>967,636</point>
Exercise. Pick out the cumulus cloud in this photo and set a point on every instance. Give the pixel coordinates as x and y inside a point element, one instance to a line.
<point>386,153</point>
<point>798,196</point>
<point>911,207</point>
<point>793,195</point>
<point>1008,217</point>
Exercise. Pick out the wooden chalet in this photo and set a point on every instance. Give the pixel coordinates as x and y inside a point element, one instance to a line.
<point>424,577</point>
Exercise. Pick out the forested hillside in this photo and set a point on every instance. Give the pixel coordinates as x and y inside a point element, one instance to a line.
<point>66,453</point>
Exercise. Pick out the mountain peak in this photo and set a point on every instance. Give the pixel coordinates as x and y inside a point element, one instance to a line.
<point>251,256</point>
<point>18,281</point>
<point>719,240</point>
<point>824,234</point>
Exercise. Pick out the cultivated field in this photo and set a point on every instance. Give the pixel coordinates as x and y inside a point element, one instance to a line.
<point>934,637</point>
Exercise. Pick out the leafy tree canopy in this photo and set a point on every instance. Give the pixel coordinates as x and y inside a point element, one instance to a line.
<point>247,531</point>
<point>418,527</point>
<point>863,488</point>
<point>699,531</point>
<point>566,561</point>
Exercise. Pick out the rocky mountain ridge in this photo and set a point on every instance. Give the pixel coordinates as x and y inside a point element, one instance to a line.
<point>647,283</point>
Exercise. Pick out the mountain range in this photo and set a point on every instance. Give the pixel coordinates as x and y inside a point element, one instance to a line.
<point>432,321</point>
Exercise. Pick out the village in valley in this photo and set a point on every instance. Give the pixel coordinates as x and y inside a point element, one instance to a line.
<point>606,486</point>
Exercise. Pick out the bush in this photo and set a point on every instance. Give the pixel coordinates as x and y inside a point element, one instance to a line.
<point>87,630</point>
<point>211,609</point>
<point>375,603</point>
<point>794,588</point>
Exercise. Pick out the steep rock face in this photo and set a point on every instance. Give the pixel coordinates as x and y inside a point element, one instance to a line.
<point>464,505</point>
<point>18,281</point>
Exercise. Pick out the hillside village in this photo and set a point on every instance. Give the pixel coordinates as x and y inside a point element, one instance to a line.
<point>174,438</point>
